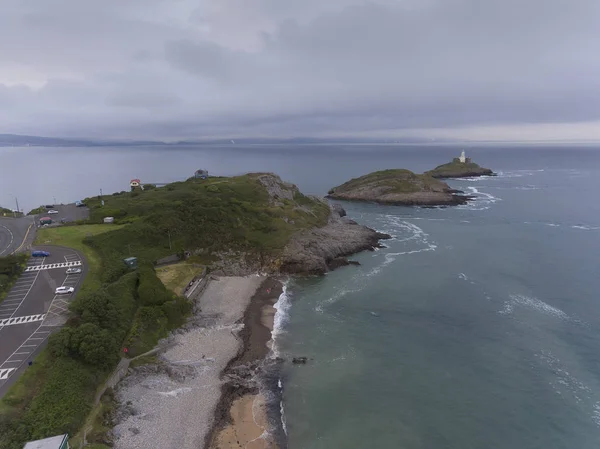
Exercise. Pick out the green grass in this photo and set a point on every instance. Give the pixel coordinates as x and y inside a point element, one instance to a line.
<point>397,180</point>
<point>214,215</point>
<point>117,308</point>
<point>37,211</point>
<point>11,268</point>
<point>177,276</point>
<point>454,167</point>
<point>73,237</point>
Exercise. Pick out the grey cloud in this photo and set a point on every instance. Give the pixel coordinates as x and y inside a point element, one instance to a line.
<point>184,69</point>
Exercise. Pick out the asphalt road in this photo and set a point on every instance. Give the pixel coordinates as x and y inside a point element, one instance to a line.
<point>13,232</point>
<point>69,212</point>
<point>31,310</point>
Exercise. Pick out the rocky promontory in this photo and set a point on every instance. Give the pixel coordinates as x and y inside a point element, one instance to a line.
<point>398,187</point>
<point>320,249</point>
<point>458,169</point>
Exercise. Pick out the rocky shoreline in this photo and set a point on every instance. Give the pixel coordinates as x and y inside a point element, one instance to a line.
<point>215,386</point>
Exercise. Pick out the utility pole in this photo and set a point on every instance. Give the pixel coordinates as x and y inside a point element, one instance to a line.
<point>17,201</point>
<point>54,198</point>
<point>169,233</point>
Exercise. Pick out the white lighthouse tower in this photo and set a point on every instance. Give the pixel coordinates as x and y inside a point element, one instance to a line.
<point>462,157</point>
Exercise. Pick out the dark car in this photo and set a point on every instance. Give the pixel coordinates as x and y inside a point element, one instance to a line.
<point>65,220</point>
<point>49,206</point>
<point>40,253</point>
<point>79,204</point>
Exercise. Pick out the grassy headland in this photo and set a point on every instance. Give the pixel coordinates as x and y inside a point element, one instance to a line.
<point>397,186</point>
<point>116,308</point>
<point>457,169</point>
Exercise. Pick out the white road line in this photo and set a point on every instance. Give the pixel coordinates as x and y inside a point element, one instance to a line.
<point>12,238</point>
<point>16,361</point>
<point>21,353</point>
<point>4,373</point>
<point>29,346</point>
<point>21,320</point>
<point>52,266</point>
<point>25,296</point>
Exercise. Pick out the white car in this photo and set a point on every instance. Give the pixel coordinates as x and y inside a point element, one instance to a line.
<point>64,290</point>
<point>74,271</point>
<point>53,211</point>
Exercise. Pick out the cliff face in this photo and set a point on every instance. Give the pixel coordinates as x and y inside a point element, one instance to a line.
<point>456,169</point>
<point>318,250</point>
<point>398,187</point>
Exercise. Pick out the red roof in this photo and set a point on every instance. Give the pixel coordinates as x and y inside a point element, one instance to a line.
<point>136,180</point>
<point>45,218</point>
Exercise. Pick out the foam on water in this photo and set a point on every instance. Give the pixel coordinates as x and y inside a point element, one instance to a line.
<point>282,313</point>
<point>483,200</point>
<point>532,303</point>
<point>586,227</point>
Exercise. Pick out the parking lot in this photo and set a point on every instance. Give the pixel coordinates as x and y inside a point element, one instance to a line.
<point>32,310</point>
<point>67,212</point>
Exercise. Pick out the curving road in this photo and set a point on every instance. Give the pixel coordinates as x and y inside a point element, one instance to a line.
<point>32,311</point>
<point>15,234</point>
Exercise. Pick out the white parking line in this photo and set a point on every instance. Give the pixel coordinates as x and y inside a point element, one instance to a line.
<point>21,353</point>
<point>4,373</point>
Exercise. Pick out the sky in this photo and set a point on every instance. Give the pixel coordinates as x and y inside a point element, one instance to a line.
<point>193,69</point>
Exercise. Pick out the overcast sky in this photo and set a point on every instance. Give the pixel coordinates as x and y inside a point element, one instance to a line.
<point>173,69</point>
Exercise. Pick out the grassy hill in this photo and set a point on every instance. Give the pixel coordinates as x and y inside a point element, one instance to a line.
<point>116,308</point>
<point>210,216</point>
<point>457,169</point>
<point>395,180</point>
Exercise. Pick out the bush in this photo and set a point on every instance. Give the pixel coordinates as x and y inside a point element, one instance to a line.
<point>152,291</point>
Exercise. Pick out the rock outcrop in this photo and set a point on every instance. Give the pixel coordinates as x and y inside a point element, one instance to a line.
<point>319,250</point>
<point>398,187</point>
<point>457,169</point>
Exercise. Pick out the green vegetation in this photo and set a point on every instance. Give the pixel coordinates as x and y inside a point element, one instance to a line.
<point>458,169</point>
<point>4,212</point>
<point>118,308</point>
<point>73,237</point>
<point>37,211</point>
<point>397,180</point>
<point>11,268</point>
<point>214,215</point>
<point>177,276</point>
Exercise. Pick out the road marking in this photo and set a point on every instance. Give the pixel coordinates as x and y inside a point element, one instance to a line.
<point>21,353</point>
<point>4,373</point>
<point>28,346</point>
<point>24,239</point>
<point>52,266</point>
<point>21,320</point>
<point>11,240</point>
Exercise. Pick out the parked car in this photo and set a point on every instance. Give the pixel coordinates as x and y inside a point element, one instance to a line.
<point>49,206</point>
<point>40,254</point>
<point>65,220</point>
<point>79,204</point>
<point>74,271</point>
<point>64,290</point>
<point>52,211</point>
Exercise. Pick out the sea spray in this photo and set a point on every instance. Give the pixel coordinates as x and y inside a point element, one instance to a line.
<point>271,380</point>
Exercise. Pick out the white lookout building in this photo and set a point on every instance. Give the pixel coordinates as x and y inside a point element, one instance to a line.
<point>462,158</point>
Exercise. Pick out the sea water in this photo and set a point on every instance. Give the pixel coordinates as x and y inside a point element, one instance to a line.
<point>477,326</point>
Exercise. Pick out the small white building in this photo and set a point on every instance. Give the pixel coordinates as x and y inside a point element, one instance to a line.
<point>57,442</point>
<point>462,157</point>
<point>135,183</point>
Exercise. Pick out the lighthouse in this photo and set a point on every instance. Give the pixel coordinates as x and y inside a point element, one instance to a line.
<point>462,157</point>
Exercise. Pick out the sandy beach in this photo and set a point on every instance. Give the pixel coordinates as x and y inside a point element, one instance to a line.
<point>204,391</point>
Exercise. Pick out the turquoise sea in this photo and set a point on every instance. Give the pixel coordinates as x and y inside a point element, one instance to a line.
<point>476,327</point>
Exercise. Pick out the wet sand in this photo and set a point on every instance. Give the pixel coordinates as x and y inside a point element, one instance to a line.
<point>242,416</point>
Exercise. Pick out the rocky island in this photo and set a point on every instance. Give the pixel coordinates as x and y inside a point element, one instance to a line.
<point>460,167</point>
<point>398,187</point>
